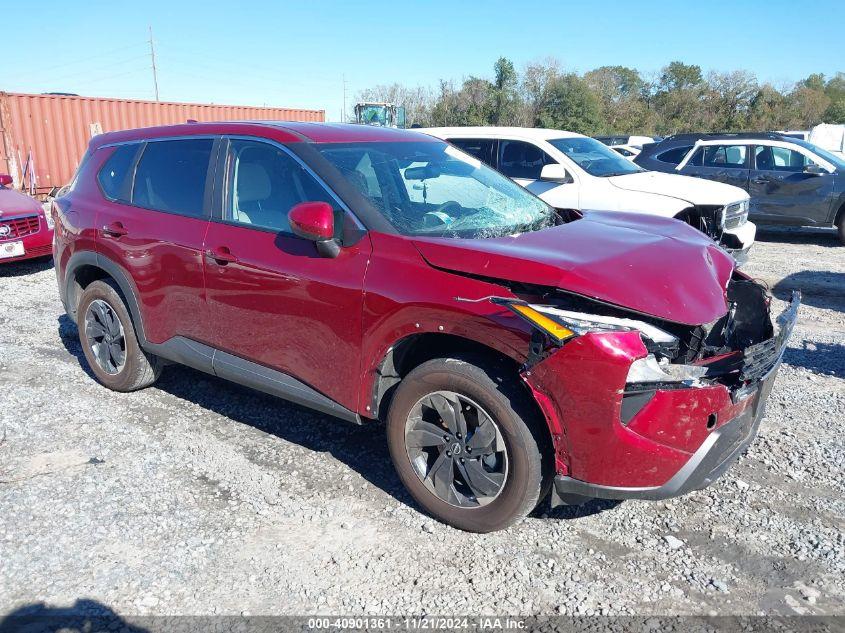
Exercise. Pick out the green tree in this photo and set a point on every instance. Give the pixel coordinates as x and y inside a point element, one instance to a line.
<point>728,99</point>
<point>835,91</point>
<point>621,90</point>
<point>680,76</point>
<point>505,109</point>
<point>569,104</point>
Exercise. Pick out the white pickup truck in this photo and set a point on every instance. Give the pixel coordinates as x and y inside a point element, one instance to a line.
<point>574,172</point>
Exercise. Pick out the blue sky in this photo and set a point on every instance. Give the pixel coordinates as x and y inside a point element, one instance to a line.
<point>296,54</point>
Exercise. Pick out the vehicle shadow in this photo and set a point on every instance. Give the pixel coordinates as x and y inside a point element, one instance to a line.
<point>26,267</point>
<point>363,448</point>
<point>84,616</point>
<point>798,235</point>
<point>820,358</point>
<point>820,288</point>
<point>589,508</point>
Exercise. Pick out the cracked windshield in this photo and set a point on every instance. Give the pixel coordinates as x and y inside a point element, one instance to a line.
<point>430,188</point>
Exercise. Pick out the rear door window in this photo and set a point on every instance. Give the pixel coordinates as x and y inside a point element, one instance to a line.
<point>114,175</point>
<point>481,148</point>
<point>725,156</point>
<point>172,176</point>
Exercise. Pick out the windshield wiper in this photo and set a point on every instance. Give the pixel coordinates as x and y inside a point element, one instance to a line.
<point>621,173</point>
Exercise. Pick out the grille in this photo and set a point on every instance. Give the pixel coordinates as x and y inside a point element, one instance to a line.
<point>760,358</point>
<point>735,215</point>
<point>19,227</point>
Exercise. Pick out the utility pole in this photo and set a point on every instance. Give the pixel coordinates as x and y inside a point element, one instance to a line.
<point>153,57</point>
<point>343,114</point>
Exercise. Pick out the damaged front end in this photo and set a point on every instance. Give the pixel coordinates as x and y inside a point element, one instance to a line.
<point>722,224</point>
<point>645,408</point>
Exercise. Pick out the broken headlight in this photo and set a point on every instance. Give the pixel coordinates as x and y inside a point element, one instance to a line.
<point>561,325</point>
<point>649,369</point>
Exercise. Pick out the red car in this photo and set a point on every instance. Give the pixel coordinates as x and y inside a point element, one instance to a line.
<point>377,274</point>
<point>25,230</point>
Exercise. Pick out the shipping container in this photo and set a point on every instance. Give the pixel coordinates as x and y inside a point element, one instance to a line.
<point>54,130</point>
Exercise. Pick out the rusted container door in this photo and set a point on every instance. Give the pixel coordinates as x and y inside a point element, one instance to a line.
<point>56,129</point>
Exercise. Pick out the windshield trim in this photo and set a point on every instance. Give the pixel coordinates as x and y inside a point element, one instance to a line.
<point>634,168</point>
<point>837,161</point>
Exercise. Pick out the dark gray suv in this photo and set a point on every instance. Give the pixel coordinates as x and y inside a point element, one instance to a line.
<point>790,181</point>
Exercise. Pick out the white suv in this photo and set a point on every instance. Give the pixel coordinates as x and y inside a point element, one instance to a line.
<point>572,171</point>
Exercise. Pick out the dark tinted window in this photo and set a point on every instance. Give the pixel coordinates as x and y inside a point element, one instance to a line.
<point>171,176</point>
<point>265,183</point>
<point>482,148</point>
<point>673,156</point>
<point>518,159</point>
<point>113,176</point>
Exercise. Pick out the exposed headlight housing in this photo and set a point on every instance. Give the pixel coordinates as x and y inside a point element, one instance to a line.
<point>649,369</point>
<point>562,325</point>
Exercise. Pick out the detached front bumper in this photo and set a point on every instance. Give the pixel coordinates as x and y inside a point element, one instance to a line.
<point>649,442</point>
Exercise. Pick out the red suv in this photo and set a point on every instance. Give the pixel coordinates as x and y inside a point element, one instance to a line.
<point>25,230</point>
<point>378,274</point>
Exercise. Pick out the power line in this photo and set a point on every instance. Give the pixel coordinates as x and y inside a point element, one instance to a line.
<point>178,54</point>
<point>83,60</point>
<point>111,66</point>
<point>123,74</point>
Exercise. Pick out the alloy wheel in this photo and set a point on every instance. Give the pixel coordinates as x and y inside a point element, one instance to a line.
<point>106,337</point>
<point>456,449</point>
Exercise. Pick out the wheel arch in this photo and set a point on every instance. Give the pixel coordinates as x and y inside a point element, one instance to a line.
<point>413,350</point>
<point>839,216</point>
<point>86,267</point>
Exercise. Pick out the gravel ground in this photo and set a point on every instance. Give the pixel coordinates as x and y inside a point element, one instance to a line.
<point>200,497</point>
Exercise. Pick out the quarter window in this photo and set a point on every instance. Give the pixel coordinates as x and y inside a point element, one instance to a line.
<point>673,156</point>
<point>518,159</point>
<point>171,176</point>
<point>266,182</point>
<point>113,174</point>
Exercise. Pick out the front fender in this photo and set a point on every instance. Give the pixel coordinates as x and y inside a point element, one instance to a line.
<point>434,302</point>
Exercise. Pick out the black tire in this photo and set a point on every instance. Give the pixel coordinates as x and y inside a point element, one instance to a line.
<point>138,369</point>
<point>840,228</point>
<point>494,388</point>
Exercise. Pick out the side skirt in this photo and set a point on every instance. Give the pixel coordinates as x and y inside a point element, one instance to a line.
<point>218,363</point>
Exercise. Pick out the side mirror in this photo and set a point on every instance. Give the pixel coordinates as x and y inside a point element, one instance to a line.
<point>814,169</point>
<point>314,221</point>
<point>555,173</point>
<point>5,180</point>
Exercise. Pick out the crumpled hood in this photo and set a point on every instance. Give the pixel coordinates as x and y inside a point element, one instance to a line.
<point>15,203</point>
<point>695,191</point>
<point>644,263</point>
